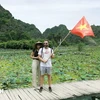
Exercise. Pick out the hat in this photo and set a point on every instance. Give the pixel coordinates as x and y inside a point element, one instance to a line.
<point>38,43</point>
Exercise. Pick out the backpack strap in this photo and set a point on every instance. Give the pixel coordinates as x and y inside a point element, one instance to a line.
<point>51,50</point>
<point>42,51</point>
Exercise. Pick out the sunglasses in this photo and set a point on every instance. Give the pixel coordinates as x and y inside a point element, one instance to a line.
<point>45,43</point>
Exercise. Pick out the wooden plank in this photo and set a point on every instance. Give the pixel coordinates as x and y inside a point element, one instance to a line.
<point>65,90</point>
<point>24,94</point>
<point>75,90</point>
<point>93,85</point>
<point>5,95</point>
<point>35,94</point>
<point>90,87</point>
<point>54,91</point>
<point>1,91</point>
<point>72,90</point>
<point>82,86</point>
<point>60,92</point>
<point>96,83</point>
<point>11,95</point>
<point>30,94</point>
<point>20,95</point>
<point>52,94</point>
<point>14,93</point>
<point>2,96</point>
<point>8,95</point>
<point>45,94</point>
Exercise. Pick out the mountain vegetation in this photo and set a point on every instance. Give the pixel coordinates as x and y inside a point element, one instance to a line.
<point>13,29</point>
<point>15,32</point>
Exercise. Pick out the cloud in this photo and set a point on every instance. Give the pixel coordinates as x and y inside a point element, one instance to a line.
<point>48,13</point>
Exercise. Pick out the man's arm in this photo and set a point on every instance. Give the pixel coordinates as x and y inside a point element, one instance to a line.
<point>40,56</point>
<point>41,59</point>
<point>52,55</point>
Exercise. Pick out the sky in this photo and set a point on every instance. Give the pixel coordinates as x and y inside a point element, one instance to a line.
<point>49,13</point>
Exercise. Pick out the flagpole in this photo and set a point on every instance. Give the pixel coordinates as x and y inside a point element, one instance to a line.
<point>62,41</point>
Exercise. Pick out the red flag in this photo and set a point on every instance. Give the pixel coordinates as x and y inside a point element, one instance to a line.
<point>82,28</point>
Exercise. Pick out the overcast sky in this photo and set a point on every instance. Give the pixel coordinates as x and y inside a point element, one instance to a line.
<point>49,13</point>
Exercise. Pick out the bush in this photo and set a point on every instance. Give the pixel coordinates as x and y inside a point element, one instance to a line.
<point>22,44</point>
<point>80,46</point>
<point>26,44</point>
<point>3,45</point>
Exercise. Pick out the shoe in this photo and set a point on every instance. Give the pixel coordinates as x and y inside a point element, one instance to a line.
<point>41,88</point>
<point>50,89</point>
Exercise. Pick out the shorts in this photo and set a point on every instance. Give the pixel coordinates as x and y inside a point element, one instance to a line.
<point>46,70</point>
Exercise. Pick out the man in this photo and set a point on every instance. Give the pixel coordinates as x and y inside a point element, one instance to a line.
<point>45,55</point>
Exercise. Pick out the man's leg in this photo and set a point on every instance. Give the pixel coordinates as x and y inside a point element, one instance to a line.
<point>49,80</point>
<point>49,83</point>
<point>49,71</point>
<point>41,80</point>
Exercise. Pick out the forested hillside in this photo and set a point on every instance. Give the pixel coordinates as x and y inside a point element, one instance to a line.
<point>56,33</point>
<point>13,31</point>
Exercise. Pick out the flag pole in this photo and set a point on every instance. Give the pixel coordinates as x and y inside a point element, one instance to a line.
<point>62,41</point>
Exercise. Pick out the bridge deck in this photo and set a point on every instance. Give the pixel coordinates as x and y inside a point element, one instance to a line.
<point>60,91</point>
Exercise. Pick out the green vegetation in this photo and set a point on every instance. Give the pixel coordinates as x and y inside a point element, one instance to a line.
<point>78,61</point>
<point>15,68</point>
<point>15,30</point>
<point>21,44</point>
<point>74,65</point>
<point>69,64</point>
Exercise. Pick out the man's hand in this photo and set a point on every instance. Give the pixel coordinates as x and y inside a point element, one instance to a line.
<point>52,55</point>
<point>45,61</point>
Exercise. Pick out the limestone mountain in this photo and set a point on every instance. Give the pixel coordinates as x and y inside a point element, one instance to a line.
<point>13,29</point>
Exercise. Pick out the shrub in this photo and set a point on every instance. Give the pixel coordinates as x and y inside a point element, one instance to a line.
<point>80,46</point>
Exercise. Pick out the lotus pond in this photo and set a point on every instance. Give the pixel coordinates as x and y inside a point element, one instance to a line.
<point>69,64</point>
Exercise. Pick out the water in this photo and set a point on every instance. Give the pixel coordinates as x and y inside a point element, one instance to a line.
<point>82,98</point>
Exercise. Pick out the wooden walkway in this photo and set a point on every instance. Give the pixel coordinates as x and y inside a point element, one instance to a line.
<point>60,91</point>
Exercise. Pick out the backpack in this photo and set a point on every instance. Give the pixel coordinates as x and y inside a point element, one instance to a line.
<point>42,51</point>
